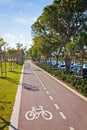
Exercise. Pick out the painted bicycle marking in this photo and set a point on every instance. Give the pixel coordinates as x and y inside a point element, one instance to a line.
<point>36,112</point>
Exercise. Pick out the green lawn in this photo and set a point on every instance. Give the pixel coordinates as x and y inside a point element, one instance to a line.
<point>8,89</point>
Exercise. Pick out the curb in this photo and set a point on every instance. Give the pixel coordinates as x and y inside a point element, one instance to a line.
<point>16,108</point>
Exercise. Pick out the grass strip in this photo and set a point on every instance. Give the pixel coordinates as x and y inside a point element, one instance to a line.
<point>8,89</point>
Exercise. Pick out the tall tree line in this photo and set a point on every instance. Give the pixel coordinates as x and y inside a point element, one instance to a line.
<point>62,29</point>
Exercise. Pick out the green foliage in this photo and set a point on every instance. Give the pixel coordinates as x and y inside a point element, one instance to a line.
<point>59,24</point>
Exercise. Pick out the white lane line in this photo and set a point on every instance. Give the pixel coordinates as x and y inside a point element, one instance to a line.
<point>62,115</point>
<point>41,82</point>
<point>47,92</point>
<point>71,128</point>
<point>39,79</point>
<point>42,85</point>
<point>51,98</point>
<point>44,88</point>
<point>57,107</point>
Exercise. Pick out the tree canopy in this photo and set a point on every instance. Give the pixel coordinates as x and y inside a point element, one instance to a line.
<point>58,26</point>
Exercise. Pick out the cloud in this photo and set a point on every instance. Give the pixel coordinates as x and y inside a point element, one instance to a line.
<point>10,36</point>
<point>12,40</point>
<point>5,1</point>
<point>25,21</point>
<point>19,3</point>
<point>22,20</point>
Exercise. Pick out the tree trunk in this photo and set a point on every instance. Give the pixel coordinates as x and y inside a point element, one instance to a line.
<point>57,57</point>
<point>67,64</point>
<point>81,62</point>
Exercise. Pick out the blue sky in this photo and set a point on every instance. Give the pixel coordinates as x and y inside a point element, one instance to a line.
<point>16,18</point>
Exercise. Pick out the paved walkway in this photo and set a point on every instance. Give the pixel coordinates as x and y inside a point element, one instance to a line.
<point>37,88</point>
<point>22,84</point>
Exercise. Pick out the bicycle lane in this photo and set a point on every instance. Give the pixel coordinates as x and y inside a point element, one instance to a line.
<point>33,95</point>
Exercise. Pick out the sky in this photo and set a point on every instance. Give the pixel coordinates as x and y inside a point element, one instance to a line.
<point>16,19</point>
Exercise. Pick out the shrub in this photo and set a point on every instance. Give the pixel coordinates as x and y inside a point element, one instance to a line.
<point>79,83</point>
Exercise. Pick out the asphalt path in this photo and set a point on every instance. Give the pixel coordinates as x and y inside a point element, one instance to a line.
<point>46,104</point>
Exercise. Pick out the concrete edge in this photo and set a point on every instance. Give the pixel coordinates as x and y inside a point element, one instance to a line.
<point>16,108</point>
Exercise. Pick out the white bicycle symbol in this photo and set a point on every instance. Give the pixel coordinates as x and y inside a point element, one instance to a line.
<point>36,112</point>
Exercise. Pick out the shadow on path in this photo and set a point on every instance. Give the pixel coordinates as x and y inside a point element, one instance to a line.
<point>13,127</point>
<point>26,73</point>
<point>3,123</point>
<point>30,87</point>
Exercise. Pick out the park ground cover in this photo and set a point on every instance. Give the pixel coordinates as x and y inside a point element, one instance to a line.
<point>8,89</point>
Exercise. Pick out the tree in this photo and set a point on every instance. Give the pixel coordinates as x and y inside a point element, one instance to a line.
<point>81,44</point>
<point>33,53</point>
<point>3,70</point>
<point>65,18</point>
